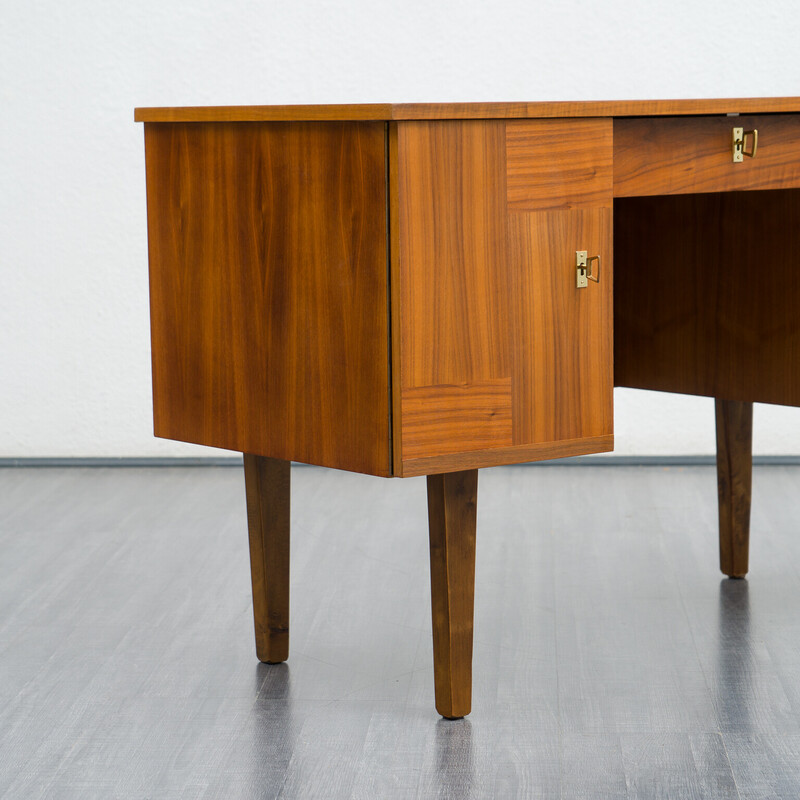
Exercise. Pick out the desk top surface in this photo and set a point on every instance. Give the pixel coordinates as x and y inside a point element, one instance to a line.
<point>422,111</point>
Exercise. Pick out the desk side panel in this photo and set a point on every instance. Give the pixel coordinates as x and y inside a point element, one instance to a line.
<point>707,295</point>
<point>268,286</point>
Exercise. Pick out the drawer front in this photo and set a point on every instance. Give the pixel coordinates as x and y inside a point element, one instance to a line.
<point>680,155</point>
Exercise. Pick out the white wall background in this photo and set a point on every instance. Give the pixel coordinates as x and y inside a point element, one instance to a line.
<point>74,346</point>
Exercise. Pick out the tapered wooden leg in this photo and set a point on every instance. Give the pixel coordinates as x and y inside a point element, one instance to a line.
<point>452,504</point>
<point>267,486</point>
<point>734,480</point>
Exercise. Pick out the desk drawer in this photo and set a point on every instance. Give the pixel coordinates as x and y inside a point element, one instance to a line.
<point>681,155</point>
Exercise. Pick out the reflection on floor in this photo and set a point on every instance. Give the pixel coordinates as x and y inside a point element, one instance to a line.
<point>611,657</point>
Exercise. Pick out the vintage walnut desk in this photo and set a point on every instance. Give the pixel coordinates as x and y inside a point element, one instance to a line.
<point>429,289</point>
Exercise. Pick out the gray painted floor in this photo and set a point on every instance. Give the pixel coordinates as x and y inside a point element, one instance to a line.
<point>611,658</point>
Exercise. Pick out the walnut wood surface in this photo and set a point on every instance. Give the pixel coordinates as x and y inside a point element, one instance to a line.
<point>487,287</point>
<point>268,488</point>
<point>411,111</point>
<point>563,336</point>
<point>517,454</point>
<point>453,287</point>
<point>456,418</point>
<point>452,506</point>
<point>395,305</point>
<point>734,481</point>
<point>558,164</point>
<point>682,155</point>
<point>707,295</point>
<point>268,282</point>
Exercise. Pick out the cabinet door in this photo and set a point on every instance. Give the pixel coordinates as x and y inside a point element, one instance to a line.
<point>498,357</point>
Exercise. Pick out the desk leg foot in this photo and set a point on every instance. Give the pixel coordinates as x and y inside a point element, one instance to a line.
<point>267,487</point>
<point>452,505</point>
<point>734,479</point>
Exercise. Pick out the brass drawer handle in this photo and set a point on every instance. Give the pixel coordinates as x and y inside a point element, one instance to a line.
<point>593,274</point>
<point>588,268</point>
<point>740,143</point>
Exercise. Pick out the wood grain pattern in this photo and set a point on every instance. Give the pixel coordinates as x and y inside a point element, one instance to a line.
<point>268,285</point>
<point>559,164</point>
<point>517,454</point>
<point>448,419</point>
<point>706,299</point>
<point>395,295</point>
<point>452,508</point>
<point>454,300</point>
<point>418,111</point>
<point>679,156</point>
<point>488,292</point>
<point>563,336</point>
<point>734,484</point>
<point>268,491</point>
